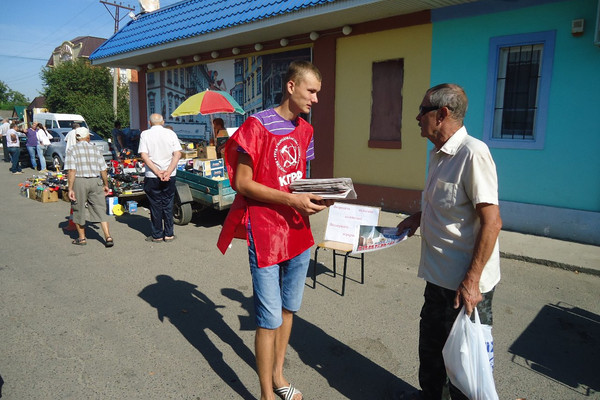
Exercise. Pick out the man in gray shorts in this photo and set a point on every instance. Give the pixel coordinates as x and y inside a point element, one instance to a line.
<point>88,183</point>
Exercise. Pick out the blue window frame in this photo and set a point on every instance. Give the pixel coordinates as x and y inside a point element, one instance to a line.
<point>518,89</point>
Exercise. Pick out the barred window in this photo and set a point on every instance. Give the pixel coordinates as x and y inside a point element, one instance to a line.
<point>517,89</point>
<point>519,75</point>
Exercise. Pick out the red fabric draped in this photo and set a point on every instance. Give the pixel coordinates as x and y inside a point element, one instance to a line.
<point>279,231</point>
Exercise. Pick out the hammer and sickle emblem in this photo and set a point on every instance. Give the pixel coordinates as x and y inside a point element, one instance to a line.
<point>291,156</point>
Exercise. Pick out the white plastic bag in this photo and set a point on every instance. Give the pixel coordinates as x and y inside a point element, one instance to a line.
<point>466,358</point>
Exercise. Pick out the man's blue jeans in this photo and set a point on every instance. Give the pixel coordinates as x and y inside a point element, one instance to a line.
<point>15,153</point>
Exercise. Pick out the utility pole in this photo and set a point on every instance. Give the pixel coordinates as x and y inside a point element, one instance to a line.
<point>116,71</point>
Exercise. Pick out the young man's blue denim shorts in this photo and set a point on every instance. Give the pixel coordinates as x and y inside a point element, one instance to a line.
<point>277,287</point>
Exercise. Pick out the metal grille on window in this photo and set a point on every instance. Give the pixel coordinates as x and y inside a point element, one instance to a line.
<point>519,74</point>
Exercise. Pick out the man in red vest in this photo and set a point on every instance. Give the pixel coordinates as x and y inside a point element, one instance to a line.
<point>267,153</point>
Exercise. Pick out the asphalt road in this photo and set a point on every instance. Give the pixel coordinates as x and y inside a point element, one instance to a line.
<point>173,320</point>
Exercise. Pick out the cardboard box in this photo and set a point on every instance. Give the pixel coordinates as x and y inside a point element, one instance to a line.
<point>187,154</point>
<point>207,152</point>
<point>209,168</point>
<point>218,163</point>
<point>31,193</point>
<point>65,195</point>
<point>201,164</point>
<point>131,206</point>
<point>110,203</point>
<point>217,173</point>
<point>46,196</point>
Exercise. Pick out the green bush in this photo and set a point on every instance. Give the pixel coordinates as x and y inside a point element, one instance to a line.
<point>76,87</point>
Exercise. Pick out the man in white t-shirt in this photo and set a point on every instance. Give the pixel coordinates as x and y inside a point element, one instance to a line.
<point>3,130</point>
<point>160,150</point>
<point>71,137</point>
<point>460,222</point>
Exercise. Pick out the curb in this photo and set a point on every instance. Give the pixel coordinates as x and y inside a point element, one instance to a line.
<point>549,263</point>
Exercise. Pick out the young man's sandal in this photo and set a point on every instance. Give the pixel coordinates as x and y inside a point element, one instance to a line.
<point>79,242</point>
<point>109,242</point>
<point>287,392</point>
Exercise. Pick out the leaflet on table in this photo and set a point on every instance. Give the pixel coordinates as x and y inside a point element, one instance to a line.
<point>371,238</point>
<point>332,188</point>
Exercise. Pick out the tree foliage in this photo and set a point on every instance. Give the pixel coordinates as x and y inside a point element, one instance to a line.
<point>76,87</point>
<point>10,98</point>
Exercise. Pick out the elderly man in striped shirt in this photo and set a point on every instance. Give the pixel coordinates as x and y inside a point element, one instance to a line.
<point>88,183</point>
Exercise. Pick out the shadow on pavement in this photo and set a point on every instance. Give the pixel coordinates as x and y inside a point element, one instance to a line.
<point>347,371</point>
<point>136,222</point>
<point>562,343</point>
<point>193,313</point>
<point>208,217</point>
<point>93,232</point>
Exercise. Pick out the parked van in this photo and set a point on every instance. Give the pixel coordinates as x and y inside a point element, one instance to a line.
<point>55,120</point>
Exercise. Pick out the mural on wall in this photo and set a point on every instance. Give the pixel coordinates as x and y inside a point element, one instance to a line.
<point>254,82</point>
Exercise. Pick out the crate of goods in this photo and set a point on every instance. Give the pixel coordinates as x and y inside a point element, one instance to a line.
<point>209,168</point>
<point>207,152</point>
<point>187,154</point>
<point>46,195</point>
<point>132,206</point>
<point>64,195</point>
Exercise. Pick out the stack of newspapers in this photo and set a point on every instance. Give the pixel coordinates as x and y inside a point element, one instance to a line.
<point>332,188</point>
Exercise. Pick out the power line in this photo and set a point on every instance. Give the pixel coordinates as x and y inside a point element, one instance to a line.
<point>116,14</point>
<point>23,57</point>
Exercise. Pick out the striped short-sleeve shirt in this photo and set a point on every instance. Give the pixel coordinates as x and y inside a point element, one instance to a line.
<point>85,159</point>
<point>278,125</point>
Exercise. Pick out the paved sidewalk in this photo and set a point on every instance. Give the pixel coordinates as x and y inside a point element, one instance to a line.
<point>541,250</point>
<point>551,252</point>
<point>175,321</point>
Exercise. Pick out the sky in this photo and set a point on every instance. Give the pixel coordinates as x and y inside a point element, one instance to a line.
<point>30,30</point>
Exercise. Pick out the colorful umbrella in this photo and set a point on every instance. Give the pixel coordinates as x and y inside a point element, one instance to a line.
<point>208,102</point>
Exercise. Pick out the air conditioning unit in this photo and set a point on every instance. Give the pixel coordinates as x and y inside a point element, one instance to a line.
<point>597,31</point>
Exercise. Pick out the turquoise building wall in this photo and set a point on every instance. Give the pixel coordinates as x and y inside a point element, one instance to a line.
<point>566,172</point>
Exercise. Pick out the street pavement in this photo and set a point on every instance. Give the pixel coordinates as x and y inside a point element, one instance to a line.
<point>174,320</point>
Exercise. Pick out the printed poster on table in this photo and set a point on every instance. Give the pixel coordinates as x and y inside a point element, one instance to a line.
<point>345,218</point>
<point>371,238</point>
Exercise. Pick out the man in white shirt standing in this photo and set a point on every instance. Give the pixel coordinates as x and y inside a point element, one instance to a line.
<point>3,130</point>
<point>460,222</point>
<point>71,137</point>
<point>13,148</point>
<point>160,150</point>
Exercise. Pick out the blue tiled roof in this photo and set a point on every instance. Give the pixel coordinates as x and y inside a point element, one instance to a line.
<point>193,18</point>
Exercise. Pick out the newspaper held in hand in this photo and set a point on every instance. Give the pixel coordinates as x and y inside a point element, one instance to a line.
<point>332,188</point>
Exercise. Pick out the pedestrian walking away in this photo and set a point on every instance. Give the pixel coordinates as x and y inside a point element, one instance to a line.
<point>160,150</point>
<point>88,186</point>
<point>261,163</point>
<point>460,222</point>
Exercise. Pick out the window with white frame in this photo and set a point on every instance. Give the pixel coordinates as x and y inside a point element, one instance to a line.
<point>518,87</point>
